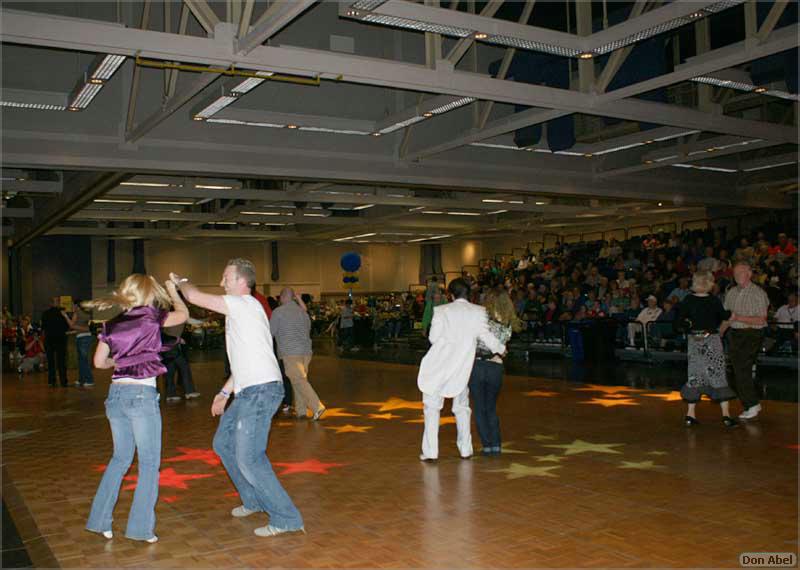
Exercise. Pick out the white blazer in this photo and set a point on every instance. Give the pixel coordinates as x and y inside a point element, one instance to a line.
<point>445,369</point>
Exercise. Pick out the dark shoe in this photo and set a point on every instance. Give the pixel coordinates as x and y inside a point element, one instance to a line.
<point>729,422</point>
<point>689,421</point>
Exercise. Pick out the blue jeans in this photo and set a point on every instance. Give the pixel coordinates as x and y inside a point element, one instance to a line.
<point>84,345</point>
<point>485,383</point>
<point>135,420</point>
<point>241,443</point>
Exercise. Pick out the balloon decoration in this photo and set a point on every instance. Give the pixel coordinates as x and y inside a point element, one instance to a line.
<point>350,263</point>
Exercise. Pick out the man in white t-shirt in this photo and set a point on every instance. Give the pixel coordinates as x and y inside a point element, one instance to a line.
<point>256,380</point>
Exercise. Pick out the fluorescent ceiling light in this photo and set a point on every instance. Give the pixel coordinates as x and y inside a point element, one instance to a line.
<point>432,212</point>
<point>500,146</point>
<point>215,106</point>
<point>307,215</point>
<point>522,43</point>
<point>106,67</point>
<point>83,95</point>
<point>568,153</point>
<point>452,105</point>
<point>745,87</point>
<point>261,213</point>
<point>756,168</point>
<point>367,4</point>
<point>400,125</point>
<point>147,184</point>
<point>428,238</point>
<point>540,203</point>
<point>365,235</point>
<point>110,201</point>
<point>169,203</point>
<point>364,207</point>
<point>223,223</point>
<point>496,212</point>
<point>212,187</point>
<point>516,201</point>
<point>418,26</point>
<point>247,123</point>
<point>616,149</point>
<point>710,168</point>
<point>36,106</point>
<point>670,137</point>
<point>461,213</point>
<point>416,209</point>
<point>251,83</point>
<point>334,131</point>
<point>493,201</point>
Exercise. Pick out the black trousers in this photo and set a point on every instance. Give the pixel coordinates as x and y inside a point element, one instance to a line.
<point>175,360</point>
<point>743,348</point>
<point>56,349</point>
<point>485,383</point>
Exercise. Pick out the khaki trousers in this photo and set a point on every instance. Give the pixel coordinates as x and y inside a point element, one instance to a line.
<point>304,395</point>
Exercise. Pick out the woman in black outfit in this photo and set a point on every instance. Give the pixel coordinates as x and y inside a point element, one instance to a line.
<point>702,317</point>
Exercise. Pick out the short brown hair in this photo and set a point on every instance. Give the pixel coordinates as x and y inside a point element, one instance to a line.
<point>244,269</point>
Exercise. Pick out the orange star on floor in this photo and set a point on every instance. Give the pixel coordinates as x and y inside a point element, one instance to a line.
<point>668,397</point>
<point>608,390</point>
<point>446,420</point>
<point>307,466</point>
<point>609,403</point>
<point>386,416</point>
<point>339,413</point>
<point>168,478</point>
<point>350,429</point>
<point>540,394</point>
<point>393,404</point>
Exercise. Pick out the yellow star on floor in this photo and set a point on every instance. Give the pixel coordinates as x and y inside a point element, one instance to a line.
<point>540,394</point>
<point>518,470</point>
<point>553,458</point>
<point>393,404</point>
<point>606,403</point>
<point>339,413</point>
<point>668,397</point>
<point>387,416</point>
<point>541,437</point>
<point>446,420</point>
<point>580,446</point>
<point>506,448</point>
<point>350,429</point>
<point>607,389</point>
<point>284,424</point>
<point>644,465</point>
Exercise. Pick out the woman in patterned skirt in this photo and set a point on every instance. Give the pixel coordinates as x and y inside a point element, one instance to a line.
<point>702,317</point>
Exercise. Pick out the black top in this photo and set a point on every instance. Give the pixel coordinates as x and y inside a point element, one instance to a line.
<point>701,314</point>
<point>54,325</point>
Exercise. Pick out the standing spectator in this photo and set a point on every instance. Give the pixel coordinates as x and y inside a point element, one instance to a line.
<point>55,325</point>
<point>346,325</point>
<point>83,344</point>
<point>175,360</point>
<point>291,328</point>
<point>748,304</point>
<point>427,317</point>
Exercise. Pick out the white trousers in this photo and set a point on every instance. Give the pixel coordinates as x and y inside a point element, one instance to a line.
<point>432,407</point>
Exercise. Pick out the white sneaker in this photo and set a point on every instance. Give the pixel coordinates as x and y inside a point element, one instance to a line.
<point>173,398</point>
<point>191,395</point>
<point>242,511</point>
<point>270,530</point>
<point>750,413</point>
<point>423,457</point>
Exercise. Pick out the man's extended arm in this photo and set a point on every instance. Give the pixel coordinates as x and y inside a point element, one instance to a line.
<point>195,296</point>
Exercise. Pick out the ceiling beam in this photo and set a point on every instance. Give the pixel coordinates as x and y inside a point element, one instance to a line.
<point>170,233</point>
<point>463,44</point>
<point>207,18</point>
<point>277,16</point>
<point>33,186</point>
<point>79,193</point>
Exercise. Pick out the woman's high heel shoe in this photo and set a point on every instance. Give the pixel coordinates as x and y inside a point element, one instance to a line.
<point>689,421</point>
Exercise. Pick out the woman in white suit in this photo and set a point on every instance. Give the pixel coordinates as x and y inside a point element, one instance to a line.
<point>445,370</point>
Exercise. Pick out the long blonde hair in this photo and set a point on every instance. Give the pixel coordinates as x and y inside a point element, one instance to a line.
<point>136,290</point>
<point>501,309</point>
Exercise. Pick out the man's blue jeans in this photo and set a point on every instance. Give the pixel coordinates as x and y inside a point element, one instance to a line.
<point>135,420</point>
<point>241,443</point>
<point>84,345</point>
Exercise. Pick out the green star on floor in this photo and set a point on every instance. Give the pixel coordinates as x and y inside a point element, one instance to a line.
<point>506,448</point>
<point>580,446</point>
<point>643,465</point>
<point>518,470</point>
<point>541,437</point>
<point>553,458</point>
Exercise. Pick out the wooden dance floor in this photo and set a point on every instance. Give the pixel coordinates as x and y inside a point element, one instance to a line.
<point>592,476</point>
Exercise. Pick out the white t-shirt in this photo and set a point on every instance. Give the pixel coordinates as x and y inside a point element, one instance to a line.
<point>249,343</point>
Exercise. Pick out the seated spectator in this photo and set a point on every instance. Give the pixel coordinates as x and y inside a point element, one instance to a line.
<point>709,262</point>
<point>784,246</point>
<point>34,356</point>
<point>682,290</point>
<point>646,315</point>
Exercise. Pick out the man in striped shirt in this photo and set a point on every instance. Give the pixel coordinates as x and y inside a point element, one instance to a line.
<point>291,328</point>
<point>749,304</point>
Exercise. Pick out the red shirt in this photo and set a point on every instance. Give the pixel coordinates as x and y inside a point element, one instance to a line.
<point>788,250</point>
<point>264,303</point>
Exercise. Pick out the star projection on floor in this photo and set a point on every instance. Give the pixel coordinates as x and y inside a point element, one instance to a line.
<point>16,434</point>
<point>443,421</point>
<point>613,391</point>
<point>668,397</point>
<point>10,415</point>
<point>349,429</point>
<point>339,413</point>
<point>386,416</point>
<point>307,466</point>
<point>206,456</point>
<point>518,470</point>
<point>580,446</point>
<point>541,437</point>
<point>168,478</point>
<point>393,404</point>
<point>540,394</point>
<point>607,403</point>
<point>644,465</point>
<point>552,458</point>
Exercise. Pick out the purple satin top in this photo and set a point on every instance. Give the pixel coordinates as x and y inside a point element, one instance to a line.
<point>134,338</point>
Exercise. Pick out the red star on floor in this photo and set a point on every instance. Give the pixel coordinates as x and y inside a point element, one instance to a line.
<point>168,478</point>
<point>307,466</point>
<point>207,456</point>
